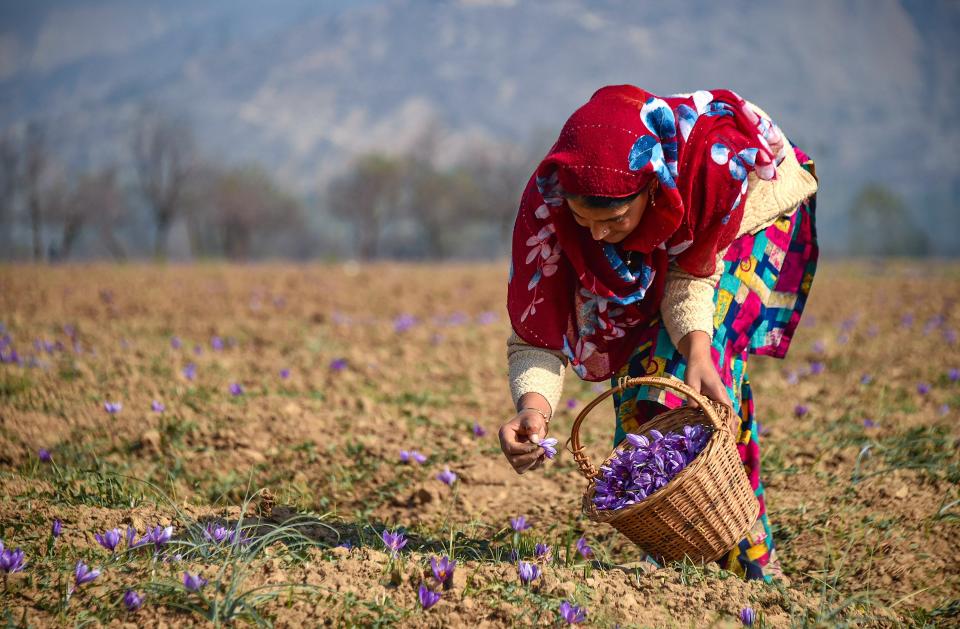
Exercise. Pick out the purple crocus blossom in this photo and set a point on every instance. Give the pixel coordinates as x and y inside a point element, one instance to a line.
<point>216,343</point>
<point>571,403</point>
<point>131,536</point>
<point>543,551</point>
<point>572,614</point>
<point>868,423</point>
<point>197,350</point>
<point>953,374</point>
<point>944,409</point>
<point>44,455</point>
<point>747,616</point>
<point>393,541</point>
<point>817,367</point>
<point>866,379</point>
<point>175,342</point>
<point>582,548</point>
<point>157,406</point>
<point>443,570</point>
<point>83,574</point>
<point>487,317</point>
<point>284,374</point>
<point>56,528</point>
<point>132,600</point>
<point>11,560</point>
<point>109,539</point>
<point>478,430</point>
<point>645,465</point>
<point>236,389</point>
<point>519,524</point>
<point>190,371</point>
<point>216,533</point>
<point>158,536</point>
<point>800,410</point>
<point>549,447</point>
<point>428,598</point>
<point>819,347</point>
<point>923,388</point>
<point>193,583</point>
<point>112,407</point>
<point>407,455</point>
<point>338,364</point>
<point>528,572</point>
<point>404,322</point>
<point>906,320</point>
<point>446,476</point>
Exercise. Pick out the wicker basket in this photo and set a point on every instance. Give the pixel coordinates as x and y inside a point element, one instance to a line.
<point>706,508</point>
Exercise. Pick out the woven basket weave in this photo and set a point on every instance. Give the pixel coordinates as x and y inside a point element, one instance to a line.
<point>704,510</point>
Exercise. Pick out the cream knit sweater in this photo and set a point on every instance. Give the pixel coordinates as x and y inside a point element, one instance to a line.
<point>687,303</point>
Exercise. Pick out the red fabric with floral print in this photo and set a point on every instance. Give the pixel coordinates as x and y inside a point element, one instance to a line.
<point>575,294</point>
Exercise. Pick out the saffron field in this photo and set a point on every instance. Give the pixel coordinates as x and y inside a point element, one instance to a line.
<point>304,445</point>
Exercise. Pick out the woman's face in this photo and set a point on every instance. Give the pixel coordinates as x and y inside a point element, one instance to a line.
<point>609,224</point>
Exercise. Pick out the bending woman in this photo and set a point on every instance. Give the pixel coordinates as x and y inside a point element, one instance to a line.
<point>666,236</point>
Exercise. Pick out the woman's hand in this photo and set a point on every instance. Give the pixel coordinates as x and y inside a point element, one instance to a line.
<point>701,374</point>
<point>519,438</point>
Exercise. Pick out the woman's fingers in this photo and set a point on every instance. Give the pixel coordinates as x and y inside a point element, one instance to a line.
<point>693,381</point>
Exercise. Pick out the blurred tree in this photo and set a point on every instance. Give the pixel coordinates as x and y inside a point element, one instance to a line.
<point>881,225</point>
<point>366,196</point>
<point>95,201</point>
<point>163,151</point>
<point>248,204</point>
<point>34,168</point>
<point>9,183</point>
<point>440,201</point>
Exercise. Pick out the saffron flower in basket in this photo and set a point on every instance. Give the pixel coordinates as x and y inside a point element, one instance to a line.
<point>634,473</point>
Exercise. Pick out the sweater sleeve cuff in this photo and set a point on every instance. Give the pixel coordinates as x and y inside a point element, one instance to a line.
<point>535,370</point>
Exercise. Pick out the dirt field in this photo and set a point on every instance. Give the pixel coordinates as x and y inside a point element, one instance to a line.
<point>383,358</point>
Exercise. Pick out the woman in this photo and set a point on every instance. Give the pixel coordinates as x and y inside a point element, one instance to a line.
<point>660,236</point>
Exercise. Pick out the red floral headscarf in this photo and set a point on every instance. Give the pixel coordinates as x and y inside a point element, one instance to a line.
<point>572,293</point>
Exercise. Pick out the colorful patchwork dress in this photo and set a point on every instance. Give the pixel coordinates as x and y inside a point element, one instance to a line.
<point>759,299</point>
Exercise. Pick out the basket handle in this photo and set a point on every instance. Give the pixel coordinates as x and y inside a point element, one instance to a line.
<point>583,461</point>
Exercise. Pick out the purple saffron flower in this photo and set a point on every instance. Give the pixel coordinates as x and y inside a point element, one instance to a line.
<point>816,367</point>
<point>404,322</point>
<point>543,551</point>
<point>953,374</point>
<point>157,406</point>
<point>112,407</point>
<point>906,320</point>
<point>407,455</point>
<point>819,347</point>
<point>443,570</point>
<point>109,540</point>
<point>528,572</point>
<point>11,560</point>
<point>873,330</point>
<point>131,536</point>
<point>571,404</point>
<point>82,574</point>
<point>56,529</point>
<point>197,350</point>
<point>519,524</point>
<point>868,423</point>
<point>393,541</point>
<point>866,379</point>
<point>175,342</point>
<point>950,336</point>
<point>190,371</point>
<point>487,317</point>
<point>235,389</point>
<point>800,410</point>
<point>582,548</point>
<point>572,614</point>
<point>747,616</point>
<point>44,455</point>
<point>284,374</point>
<point>216,343</point>
<point>923,388</point>
<point>216,533</point>
<point>478,430</point>
<point>549,447</point>
<point>158,536</point>
<point>944,409</point>
<point>338,364</point>
<point>428,598</point>
<point>446,476</point>
<point>132,601</point>
<point>193,583</point>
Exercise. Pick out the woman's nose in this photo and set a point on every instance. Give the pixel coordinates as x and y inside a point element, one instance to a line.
<point>598,231</point>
